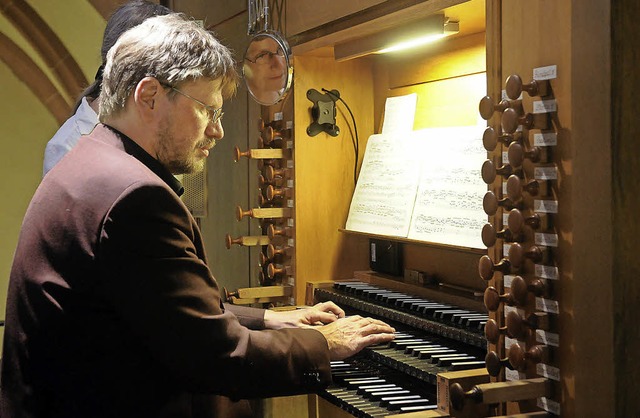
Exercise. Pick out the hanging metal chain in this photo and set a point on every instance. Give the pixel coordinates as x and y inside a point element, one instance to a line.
<point>262,12</point>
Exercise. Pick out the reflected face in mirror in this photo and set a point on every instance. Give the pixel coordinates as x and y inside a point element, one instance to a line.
<point>266,69</point>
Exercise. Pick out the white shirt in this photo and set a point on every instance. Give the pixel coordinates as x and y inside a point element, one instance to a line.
<point>81,123</point>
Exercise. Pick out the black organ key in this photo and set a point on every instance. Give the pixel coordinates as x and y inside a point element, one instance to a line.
<point>406,303</point>
<point>430,309</point>
<point>400,344</point>
<point>448,314</point>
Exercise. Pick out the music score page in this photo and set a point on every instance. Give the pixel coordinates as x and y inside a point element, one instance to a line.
<point>423,185</point>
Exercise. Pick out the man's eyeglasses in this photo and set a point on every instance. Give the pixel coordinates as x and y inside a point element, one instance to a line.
<point>265,56</point>
<point>214,114</point>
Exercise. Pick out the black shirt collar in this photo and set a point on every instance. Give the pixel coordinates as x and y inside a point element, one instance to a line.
<point>145,158</point>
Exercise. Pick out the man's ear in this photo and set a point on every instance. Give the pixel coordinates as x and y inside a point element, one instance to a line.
<point>145,96</point>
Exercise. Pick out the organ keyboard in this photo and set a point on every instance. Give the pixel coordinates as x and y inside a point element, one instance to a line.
<point>399,377</point>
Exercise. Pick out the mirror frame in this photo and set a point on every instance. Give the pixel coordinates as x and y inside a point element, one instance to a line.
<point>282,43</point>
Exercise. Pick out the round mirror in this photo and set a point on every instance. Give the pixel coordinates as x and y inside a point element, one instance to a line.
<point>266,68</point>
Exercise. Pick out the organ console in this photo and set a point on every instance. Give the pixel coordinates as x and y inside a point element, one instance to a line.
<point>535,273</point>
<point>399,377</point>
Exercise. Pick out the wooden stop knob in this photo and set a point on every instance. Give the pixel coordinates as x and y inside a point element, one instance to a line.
<point>490,203</point>
<point>517,254</point>
<point>488,235</point>
<point>489,171</point>
<point>486,268</point>
<point>516,221</point>
<point>493,298</point>
<point>492,331</point>
<point>518,357</point>
<point>519,291</point>
<point>242,213</point>
<point>237,154</point>
<point>231,241</point>
<point>458,397</point>
<point>494,363</point>
<point>515,188</point>
<point>517,154</point>
<point>515,87</point>
<point>518,327</point>
<point>490,138</point>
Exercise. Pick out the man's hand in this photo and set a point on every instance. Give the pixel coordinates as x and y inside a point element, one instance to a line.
<point>347,336</point>
<point>319,314</point>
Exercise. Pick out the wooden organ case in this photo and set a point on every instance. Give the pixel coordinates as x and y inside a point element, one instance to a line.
<point>525,309</point>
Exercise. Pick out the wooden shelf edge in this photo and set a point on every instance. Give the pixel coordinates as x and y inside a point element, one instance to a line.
<point>456,248</point>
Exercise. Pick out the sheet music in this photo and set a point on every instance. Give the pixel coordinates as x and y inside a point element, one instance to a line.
<point>383,199</point>
<point>448,206</point>
<point>399,113</point>
<point>423,185</point>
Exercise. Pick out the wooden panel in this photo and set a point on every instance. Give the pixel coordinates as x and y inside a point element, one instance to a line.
<point>446,59</point>
<point>324,171</point>
<point>286,407</point>
<point>447,102</point>
<point>306,14</point>
<point>229,182</point>
<point>626,200</point>
<point>575,38</point>
<point>389,14</point>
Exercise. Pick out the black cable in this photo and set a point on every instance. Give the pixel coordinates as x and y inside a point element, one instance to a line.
<point>355,128</point>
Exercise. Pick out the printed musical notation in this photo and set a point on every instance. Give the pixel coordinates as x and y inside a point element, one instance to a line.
<point>423,185</point>
<point>383,200</point>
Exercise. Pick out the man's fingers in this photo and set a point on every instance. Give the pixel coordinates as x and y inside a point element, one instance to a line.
<point>323,317</point>
<point>377,338</point>
<point>330,307</point>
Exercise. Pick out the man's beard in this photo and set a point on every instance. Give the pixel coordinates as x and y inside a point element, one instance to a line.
<point>177,163</point>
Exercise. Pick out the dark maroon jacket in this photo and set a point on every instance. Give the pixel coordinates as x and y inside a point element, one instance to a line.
<point>113,312</point>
